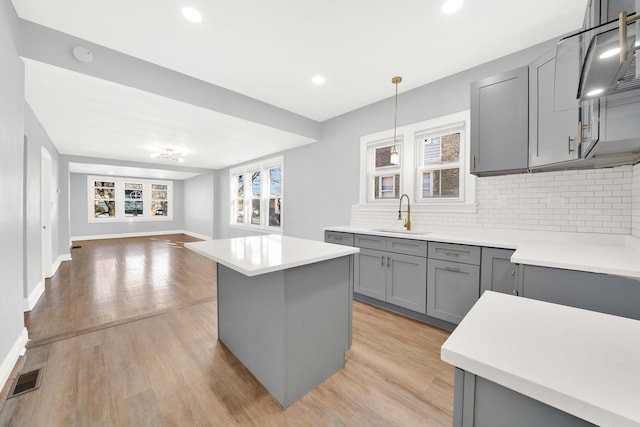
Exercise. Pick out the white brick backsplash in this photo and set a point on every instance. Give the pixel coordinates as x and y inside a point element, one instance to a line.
<point>635,201</point>
<point>589,201</point>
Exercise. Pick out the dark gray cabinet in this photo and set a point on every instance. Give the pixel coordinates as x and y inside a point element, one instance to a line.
<point>591,291</point>
<point>602,11</point>
<point>499,121</point>
<point>453,286</point>
<point>497,272</point>
<point>392,270</point>
<point>553,126</point>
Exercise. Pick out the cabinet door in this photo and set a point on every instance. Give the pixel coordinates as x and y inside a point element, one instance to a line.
<point>499,138</point>
<point>497,272</point>
<point>552,131</point>
<point>370,273</point>
<point>407,282</point>
<point>452,289</point>
<point>591,291</point>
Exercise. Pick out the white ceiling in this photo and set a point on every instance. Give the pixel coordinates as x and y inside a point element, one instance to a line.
<point>268,50</point>
<point>105,170</point>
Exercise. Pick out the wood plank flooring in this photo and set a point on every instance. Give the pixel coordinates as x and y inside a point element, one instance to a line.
<point>156,361</point>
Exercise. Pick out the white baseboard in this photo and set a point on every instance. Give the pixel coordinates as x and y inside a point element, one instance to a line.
<point>34,296</point>
<point>59,260</point>
<point>18,349</point>
<point>197,235</point>
<point>124,235</point>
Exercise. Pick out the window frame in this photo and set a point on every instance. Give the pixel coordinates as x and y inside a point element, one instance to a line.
<point>264,167</point>
<point>120,199</point>
<point>411,166</point>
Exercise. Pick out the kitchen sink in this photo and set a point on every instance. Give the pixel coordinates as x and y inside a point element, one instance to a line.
<point>389,230</point>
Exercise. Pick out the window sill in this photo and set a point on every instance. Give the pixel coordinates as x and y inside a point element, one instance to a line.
<point>470,208</point>
<point>133,219</point>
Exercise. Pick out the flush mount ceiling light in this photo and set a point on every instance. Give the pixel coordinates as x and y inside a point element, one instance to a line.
<point>318,80</point>
<point>451,6</point>
<point>82,54</point>
<point>168,154</point>
<point>394,159</point>
<point>191,14</point>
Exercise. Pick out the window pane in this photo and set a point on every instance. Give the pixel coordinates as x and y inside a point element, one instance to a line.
<point>255,184</point>
<point>104,184</point>
<point>105,194</point>
<point>158,191</point>
<point>240,211</point>
<point>240,186</point>
<point>383,156</point>
<point>104,208</point>
<point>133,191</point>
<point>441,183</point>
<point>387,187</point>
<point>275,181</point>
<point>255,211</point>
<point>432,150</point>
<point>159,208</point>
<point>275,205</point>
<point>133,208</point>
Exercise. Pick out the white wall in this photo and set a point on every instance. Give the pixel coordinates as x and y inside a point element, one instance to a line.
<point>12,336</point>
<point>635,196</point>
<point>589,201</point>
<point>82,228</point>
<point>198,205</point>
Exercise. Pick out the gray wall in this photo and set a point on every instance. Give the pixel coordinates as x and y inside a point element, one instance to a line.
<point>322,180</point>
<point>11,182</point>
<point>80,226</point>
<point>198,204</point>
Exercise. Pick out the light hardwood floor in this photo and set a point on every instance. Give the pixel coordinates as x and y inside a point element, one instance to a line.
<point>127,336</point>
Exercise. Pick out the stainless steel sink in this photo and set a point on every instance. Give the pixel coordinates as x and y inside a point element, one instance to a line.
<point>389,230</point>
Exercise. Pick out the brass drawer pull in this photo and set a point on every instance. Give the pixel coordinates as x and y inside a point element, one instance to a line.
<point>452,268</point>
<point>449,253</point>
<point>382,260</point>
<point>388,261</point>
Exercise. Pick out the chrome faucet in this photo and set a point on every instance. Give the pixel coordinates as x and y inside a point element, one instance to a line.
<point>407,222</point>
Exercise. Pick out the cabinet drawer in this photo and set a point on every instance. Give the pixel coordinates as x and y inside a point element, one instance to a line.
<point>338,238</point>
<point>455,253</point>
<point>407,246</point>
<point>370,242</point>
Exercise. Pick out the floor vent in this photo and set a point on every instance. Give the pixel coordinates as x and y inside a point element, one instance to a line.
<point>25,383</point>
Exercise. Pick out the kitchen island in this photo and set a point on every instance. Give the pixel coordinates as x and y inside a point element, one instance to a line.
<point>521,362</point>
<point>284,308</point>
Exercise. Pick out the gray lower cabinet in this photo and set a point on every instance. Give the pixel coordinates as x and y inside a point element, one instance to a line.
<point>345,239</point>
<point>479,402</point>
<point>499,114</point>
<point>394,278</point>
<point>497,272</point>
<point>392,270</point>
<point>453,280</point>
<point>591,291</point>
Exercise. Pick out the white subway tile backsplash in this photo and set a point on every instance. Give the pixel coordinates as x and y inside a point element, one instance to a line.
<point>588,201</point>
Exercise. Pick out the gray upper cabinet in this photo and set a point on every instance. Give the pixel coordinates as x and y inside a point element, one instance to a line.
<point>602,11</point>
<point>499,115</point>
<point>553,129</point>
<point>498,274</point>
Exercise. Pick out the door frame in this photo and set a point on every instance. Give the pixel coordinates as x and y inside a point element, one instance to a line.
<point>46,170</point>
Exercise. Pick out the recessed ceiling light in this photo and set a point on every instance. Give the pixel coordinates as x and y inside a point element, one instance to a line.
<point>191,14</point>
<point>318,80</point>
<point>595,92</point>
<point>451,6</point>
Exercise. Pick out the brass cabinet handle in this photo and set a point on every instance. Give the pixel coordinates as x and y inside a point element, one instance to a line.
<point>449,253</point>
<point>382,260</point>
<point>569,149</point>
<point>513,273</point>
<point>474,162</point>
<point>388,261</point>
<point>452,268</point>
<point>580,135</point>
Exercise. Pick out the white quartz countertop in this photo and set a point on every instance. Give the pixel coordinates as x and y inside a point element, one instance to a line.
<point>597,253</point>
<point>579,361</point>
<point>264,254</point>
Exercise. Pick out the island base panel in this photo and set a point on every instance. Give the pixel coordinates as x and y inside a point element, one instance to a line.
<point>290,328</point>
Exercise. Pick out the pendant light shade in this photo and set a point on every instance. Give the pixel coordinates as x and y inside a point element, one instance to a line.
<point>395,157</point>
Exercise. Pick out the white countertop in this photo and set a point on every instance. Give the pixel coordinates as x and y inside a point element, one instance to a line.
<point>579,361</point>
<point>264,254</point>
<point>597,253</point>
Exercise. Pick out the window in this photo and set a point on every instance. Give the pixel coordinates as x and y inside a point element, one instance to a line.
<point>432,170</point>
<point>258,205</point>
<point>120,199</point>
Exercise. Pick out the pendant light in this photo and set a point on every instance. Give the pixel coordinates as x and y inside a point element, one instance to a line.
<point>395,158</point>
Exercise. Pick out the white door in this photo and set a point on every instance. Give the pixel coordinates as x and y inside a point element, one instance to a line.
<point>45,211</point>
